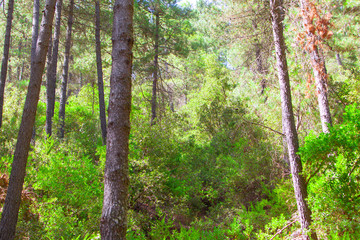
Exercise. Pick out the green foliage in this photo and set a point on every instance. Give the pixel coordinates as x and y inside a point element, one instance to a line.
<point>332,166</point>
<point>205,170</point>
<point>70,191</point>
<point>13,105</point>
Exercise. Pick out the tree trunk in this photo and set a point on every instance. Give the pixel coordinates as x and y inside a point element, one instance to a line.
<point>4,62</point>
<point>81,81</point>
<point>318,66</point>
<point>49,53</point>
<point>13,198</point>
<point>51,72</point>
<point>156,67</point>
<point>35,27</point>
<point>10,73</point>
<point>65,74</point>
<point>100,73</point>
<point>18,67</point>
<point>21,71</point>
<point>338,59</point>
<point>288,118</point>
<point>116,180</point>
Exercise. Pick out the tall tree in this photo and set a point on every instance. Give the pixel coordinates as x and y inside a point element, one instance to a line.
<point>100,72</point>
<point>65,74</point>
<point>156,66</point>
<point>35,27</point>
<point>35,34</point>
<point>5,59</point>
<point>13,197</point>
<point>309,12</point>
<point>164,28</point>
<point>51,71</point>
<point>116,180</point>
<point>288,117</point>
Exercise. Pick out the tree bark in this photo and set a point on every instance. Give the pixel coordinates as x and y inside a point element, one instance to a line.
<point>100,73</point>
<point>49,53</point>
<point>338,59</point>
<point>13,198</point>
<point>65,74</point>
<point>5,59</point>
<point>288,118</point>
<point>319,69</point>
<point>51,72</point>
<point>116,180</point>
<point>19,70</point>
<point>35,27</point>
<point>156,67</point>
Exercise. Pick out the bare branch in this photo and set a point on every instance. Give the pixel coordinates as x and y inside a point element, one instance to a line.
<point>259,124</point>
<point>280,231</point>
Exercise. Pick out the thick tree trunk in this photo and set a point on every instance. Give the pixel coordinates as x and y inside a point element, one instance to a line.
<point>5,59</point>
<point>116,180</point>
<point>35,27</point>
<point>51,72</point>
<point>288,118</point>
<point>156,68</point>
<point>100,73</point>
<point>65,74</point>
<point>318,66</point>
<point>13,198</point>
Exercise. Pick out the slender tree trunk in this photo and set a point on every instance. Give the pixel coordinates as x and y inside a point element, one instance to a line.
<point>81,81</point>
<point>51,72</point>
<point>100,73</point>
<point>10,73</point>
<point>156,68</point>
<point>35,34</point>
<point>338,59</point>
<point>318,66</point>
<point>65,74</point>
<point>21,71</point>
<point>35,27</point>
<point>13,198</point>
<point>20,53</point>
<point>288,118</point>
<point>116,180</point>
<point>49,53</point>
<point>5,59</point>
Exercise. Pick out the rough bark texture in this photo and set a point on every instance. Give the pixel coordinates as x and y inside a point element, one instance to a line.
<point>51,72</point>
<point>288,118</point>
<point>49,54</point>
<point>65,74</point>
<point>35,27</point>
<point>100,73</point>
<point>5,59</point>
<point>155,73</point>
<point>116,180</point>
<point>13,198</point>
<point>319,70</point>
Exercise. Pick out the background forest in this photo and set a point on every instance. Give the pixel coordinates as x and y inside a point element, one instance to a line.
<point>207,153</point>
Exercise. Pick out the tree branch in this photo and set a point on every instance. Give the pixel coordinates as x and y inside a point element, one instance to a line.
<point>259,124</point>
<point>353,168</point>
<point>279,232</point>
<point>314,173</point>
